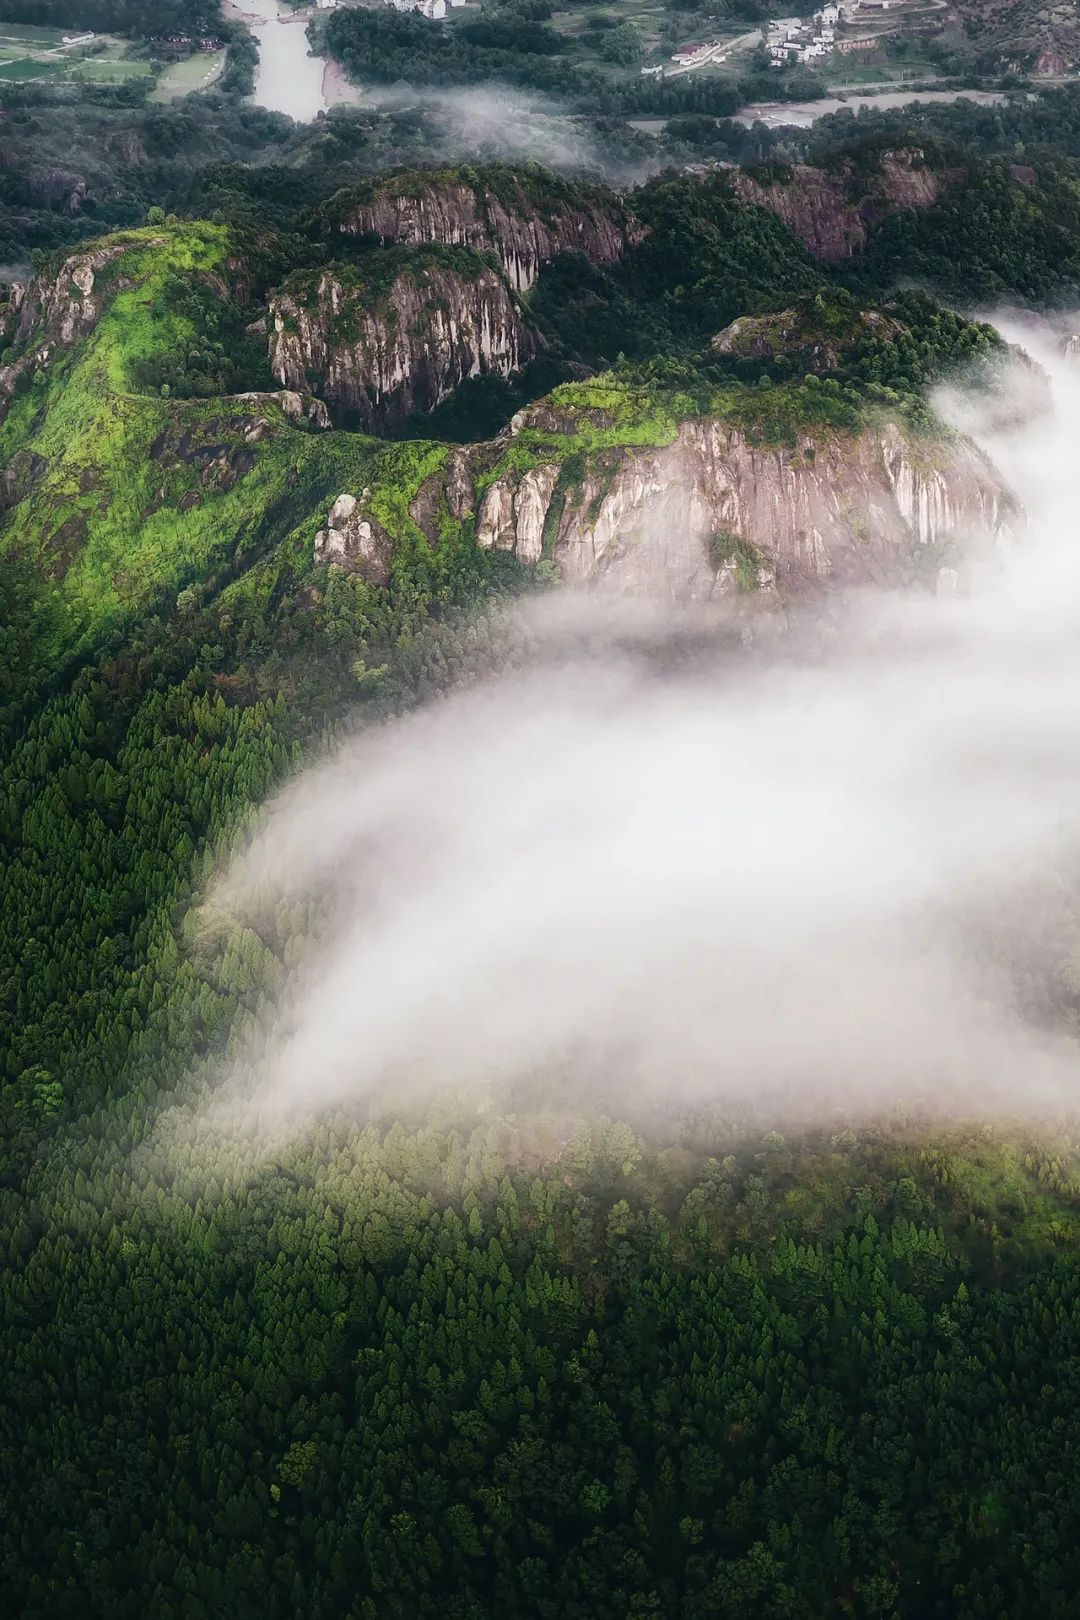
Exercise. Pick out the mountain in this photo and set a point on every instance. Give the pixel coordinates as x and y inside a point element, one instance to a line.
<point>396,337</point>
<point>282,478</point>
<point>1039,35</point>
<point>833,211</point>
<point>526,216</point>
<point>120,494</point>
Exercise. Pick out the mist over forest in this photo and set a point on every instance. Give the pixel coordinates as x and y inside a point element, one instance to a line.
<point>539,812</point>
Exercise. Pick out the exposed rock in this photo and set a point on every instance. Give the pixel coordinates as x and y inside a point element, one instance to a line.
<point>126,144</point>
<point>220,449</point>
<point>22,474</point>
<point>296,408</point>
<point>867,510</point>
<point>791,334</point>
<point>354,539</point>
<point>62,308</point>
<point>56,187</point>
<point>831,211</point>
<point>64,544</point>
<point>875,508</point>
<point>531,504</point>
<point>224,470</point>
<point>526,218</point>
<point>459,483</point>
<point>51,313</point>
<point>495,519</point>
<point>380,353</point>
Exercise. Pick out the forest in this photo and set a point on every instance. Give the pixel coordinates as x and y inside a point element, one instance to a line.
<point>426,1366</point>
<point>488,1354</point>
<point>137,17</point>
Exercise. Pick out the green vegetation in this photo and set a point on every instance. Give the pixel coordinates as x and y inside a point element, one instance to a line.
<point>992,236</point>
<point>891,352</point>
<point>490,1359</point>
<point>731,550</point>
<point>148,17</point>
<point>592,62</point>
<point>366,280</point>
<point>132,498</point>
<point>192,73</point>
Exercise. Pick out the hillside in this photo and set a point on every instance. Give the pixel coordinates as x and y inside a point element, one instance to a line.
<point>1039,35</point>
<point>140,464</point>
<point>282,488</point>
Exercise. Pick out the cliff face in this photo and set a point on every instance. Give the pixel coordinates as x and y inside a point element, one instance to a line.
<point>382,353</point>
<point>832,211</point>
<point>50,313</point>
<point>689,519</point>
<point>708,514</point>
<point>525,225</point>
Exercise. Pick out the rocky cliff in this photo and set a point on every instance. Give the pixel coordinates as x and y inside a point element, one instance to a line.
<point>712,512</point>
<point>706,512</point>
<point>397,335</point>
<point>527,217</point>
<point>833,210</point>
<point>51,312</point>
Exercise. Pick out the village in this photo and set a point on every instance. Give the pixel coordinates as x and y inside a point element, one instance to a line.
<point>847,27</point>
<point>840,28</point>
<point>792,40</point>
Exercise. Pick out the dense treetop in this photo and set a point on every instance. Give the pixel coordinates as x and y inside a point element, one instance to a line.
<point>480,1357</point>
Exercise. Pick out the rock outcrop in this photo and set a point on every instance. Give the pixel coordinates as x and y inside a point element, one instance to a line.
<point>713,514</point>
<point>60,188</point>
<point>832,211</point>
<point>791,335</point>
<point>870,510</point>
<point>301,410</point>
<point>354,539</point>
<point>396,337</point>
<point>52,312</point>
<point>526,217</point>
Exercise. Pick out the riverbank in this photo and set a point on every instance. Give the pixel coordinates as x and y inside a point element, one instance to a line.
<point>804,113</point>
<point>337,88</point>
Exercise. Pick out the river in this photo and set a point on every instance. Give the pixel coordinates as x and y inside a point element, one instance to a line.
<point>804,113</point>
<point>288,79</point>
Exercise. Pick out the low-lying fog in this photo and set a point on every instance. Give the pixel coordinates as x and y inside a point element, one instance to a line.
<point>834,881</point>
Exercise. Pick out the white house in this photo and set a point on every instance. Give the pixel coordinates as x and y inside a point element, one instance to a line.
<point>433,9</point>
<point>704,51</point>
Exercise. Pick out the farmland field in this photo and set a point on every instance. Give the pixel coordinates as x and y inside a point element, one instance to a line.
<point>22,34</point>
<point>27,54</point>
<point>193,73</point>
<point>106,70</point>
<point>20,70</point>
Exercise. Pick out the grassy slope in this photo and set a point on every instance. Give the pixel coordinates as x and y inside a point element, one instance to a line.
<point>121,464</point>
<point>141,496</point>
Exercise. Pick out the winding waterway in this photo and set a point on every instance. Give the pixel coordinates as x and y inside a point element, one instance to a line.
<point>288,79</point>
